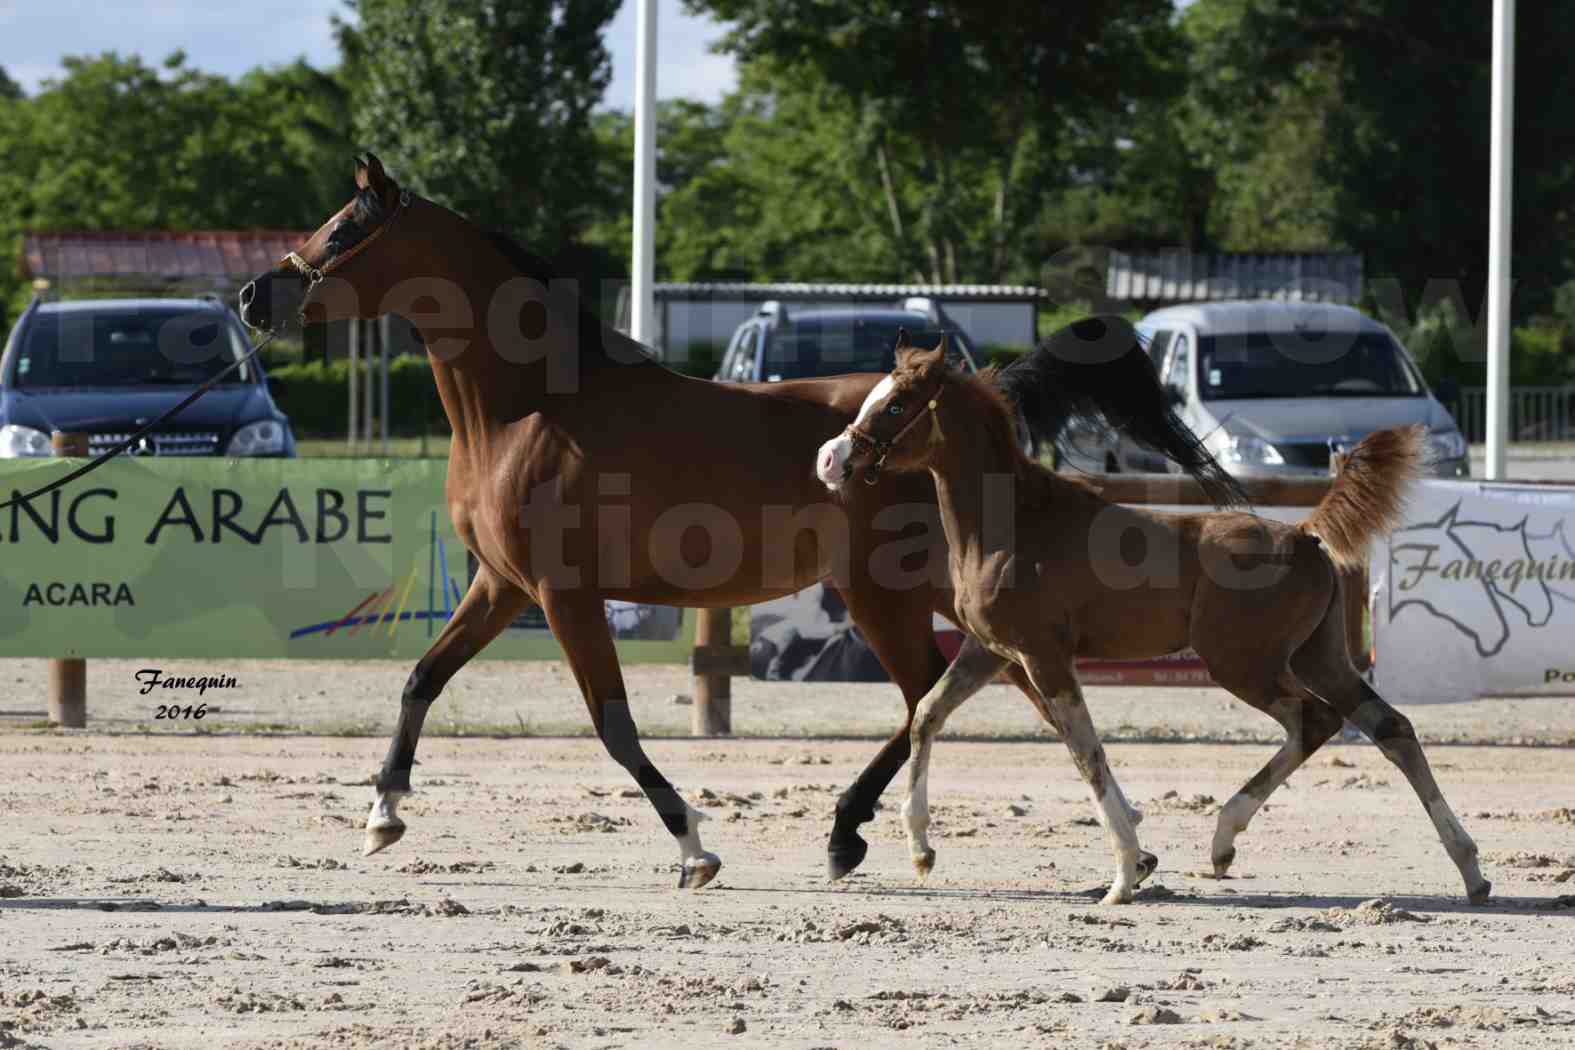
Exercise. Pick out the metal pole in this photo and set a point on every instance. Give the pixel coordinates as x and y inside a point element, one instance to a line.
<point>642,267</point>
<point>386,329</point>
<point>68,677</point>
<point>353,348</point>
<point>367,336</point>
<point>1501,177</point>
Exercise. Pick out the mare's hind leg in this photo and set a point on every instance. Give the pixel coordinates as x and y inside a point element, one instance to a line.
<point>970,672</point>
<point>579,623</point>
<point>1055,681</point>
<point>897,627</point>
<point>487,608</point>
<point>1324,664</point>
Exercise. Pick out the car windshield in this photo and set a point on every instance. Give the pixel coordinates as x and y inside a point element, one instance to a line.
<point>816,348</point>
<point>128,347</point>
<point>1263,364</point>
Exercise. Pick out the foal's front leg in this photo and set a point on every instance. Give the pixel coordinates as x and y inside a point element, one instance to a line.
<point>579,624</point>
<point>1057,683</point>
<point>972,670</point>
<point>488,607</point>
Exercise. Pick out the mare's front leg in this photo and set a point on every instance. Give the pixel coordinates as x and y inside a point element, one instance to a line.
<point>579,623</point>
<point>897,625</point>
<point>489,606</point>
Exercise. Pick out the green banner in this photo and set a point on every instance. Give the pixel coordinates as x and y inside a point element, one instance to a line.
<point>214,558</point>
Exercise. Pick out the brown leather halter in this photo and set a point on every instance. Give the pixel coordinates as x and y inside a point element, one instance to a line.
<point>882,449</point>
<point>315,274</point>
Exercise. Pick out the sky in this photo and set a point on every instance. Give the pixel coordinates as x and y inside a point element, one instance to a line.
<point>230,38</point>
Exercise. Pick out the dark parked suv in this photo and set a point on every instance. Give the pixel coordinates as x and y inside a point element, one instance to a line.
<point>778,343</point>
<point>108,367</point>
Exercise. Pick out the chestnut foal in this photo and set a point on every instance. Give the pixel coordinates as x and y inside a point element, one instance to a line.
<point>1042,572</point>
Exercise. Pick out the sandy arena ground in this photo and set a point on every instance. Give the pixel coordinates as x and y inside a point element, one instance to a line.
<point>174,889</point>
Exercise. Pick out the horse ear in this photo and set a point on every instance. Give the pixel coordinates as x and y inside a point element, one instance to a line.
<point>902,339</point>
<point>944,344</point>
<point>374,169</point>
<point>361,178</point>
<point>378,181</point>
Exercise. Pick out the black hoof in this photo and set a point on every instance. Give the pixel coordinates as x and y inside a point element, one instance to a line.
<point>1146,864</point>
<point>843,855</point>
<point>1480,894</point>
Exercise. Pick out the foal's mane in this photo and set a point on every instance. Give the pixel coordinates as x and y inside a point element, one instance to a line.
<point>995,413</point>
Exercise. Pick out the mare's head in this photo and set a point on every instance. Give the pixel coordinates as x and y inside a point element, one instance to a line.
<point>346,268</point>
<point>897,428</point>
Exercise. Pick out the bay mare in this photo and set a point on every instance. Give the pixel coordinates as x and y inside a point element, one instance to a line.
<point>581,471</point>
<point>1045,570</point>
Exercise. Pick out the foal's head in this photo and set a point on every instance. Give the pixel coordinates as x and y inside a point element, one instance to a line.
<point>897,427</point>
<point>298,289</point>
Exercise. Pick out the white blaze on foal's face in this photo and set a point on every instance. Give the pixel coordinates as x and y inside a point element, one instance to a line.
<point>831,464</point>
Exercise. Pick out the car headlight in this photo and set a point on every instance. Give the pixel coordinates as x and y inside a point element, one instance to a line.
<point>17,441</point>
<point>1447,444</point>
<point>257,439</point>
<point>1244,450</point>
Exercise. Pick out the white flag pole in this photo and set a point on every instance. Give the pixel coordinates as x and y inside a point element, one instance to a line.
<point>1501,184</point>
<point>643,266</point>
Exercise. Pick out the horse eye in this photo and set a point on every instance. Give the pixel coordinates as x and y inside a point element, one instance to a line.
<point>896,408</point>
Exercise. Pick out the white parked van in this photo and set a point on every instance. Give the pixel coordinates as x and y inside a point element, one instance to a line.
<point>1273,388</point>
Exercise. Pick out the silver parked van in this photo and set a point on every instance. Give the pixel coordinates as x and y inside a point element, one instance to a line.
<point>1273,388</point>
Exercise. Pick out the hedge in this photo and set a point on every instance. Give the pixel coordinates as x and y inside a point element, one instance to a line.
<point>315,397</point>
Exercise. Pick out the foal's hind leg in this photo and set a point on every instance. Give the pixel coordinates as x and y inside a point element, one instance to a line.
<point>1324,664</point>
<point>1309,723</point>
<point>970,672</point>
<point>579,623</point>
<point>1055,681</point>
<point>1395,737</point>
<point>488,607</point>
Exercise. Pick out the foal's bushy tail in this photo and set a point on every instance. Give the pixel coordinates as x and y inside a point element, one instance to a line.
<point>1368,497</point>
<point>1098,366</point>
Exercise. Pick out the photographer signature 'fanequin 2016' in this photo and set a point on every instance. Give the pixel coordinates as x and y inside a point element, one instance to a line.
<point>154,678</point>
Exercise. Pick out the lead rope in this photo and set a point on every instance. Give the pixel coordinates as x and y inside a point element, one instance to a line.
<point>104,457</point>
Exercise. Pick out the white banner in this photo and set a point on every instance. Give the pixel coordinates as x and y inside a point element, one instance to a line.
<point>1475,594</point>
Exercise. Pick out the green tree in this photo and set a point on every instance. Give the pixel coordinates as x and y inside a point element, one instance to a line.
<point>1402,89</point>
<point>487,107</point>
<point>950,121</point>
<point>9,89</point>
<point>118,144</point>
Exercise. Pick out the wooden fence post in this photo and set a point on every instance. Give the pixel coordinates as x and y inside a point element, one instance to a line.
<point>714,661</point>
<point>68,677</point>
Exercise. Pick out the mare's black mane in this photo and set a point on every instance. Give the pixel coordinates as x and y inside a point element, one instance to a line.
<point>592,332</point>
<point>1098,367</point>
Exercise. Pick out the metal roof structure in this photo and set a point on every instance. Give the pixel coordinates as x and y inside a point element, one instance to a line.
<point>1179,277</point>
<point>216,256</point>
<point>805,290</point>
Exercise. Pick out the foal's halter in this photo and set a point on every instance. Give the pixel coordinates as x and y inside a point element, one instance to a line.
<point>315,274</point>
<point>859,436</point>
